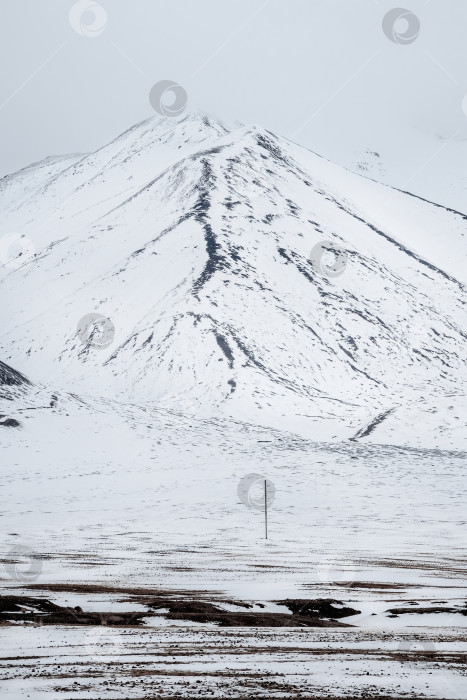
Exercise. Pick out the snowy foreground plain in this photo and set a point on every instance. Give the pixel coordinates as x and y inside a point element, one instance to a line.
<point>130,566</point>
<point>142,504</point>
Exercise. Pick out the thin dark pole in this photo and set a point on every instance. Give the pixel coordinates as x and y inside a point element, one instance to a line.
<point>266,508</point>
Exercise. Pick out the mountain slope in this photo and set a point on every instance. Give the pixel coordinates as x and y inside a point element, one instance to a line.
<point>431,165</point>
<point>193,238</point>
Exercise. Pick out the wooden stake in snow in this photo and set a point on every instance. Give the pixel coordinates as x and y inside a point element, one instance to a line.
<point>266,508</point>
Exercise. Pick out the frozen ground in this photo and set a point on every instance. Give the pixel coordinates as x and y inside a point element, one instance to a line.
<point>242,663</point>
<point>140,500</point>
<point>99,477</point>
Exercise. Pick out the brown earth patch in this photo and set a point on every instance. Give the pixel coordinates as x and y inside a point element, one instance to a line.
<point>14,609</point>
<point>417,610</point>
<point>201,611</point>
<point>321,607</point>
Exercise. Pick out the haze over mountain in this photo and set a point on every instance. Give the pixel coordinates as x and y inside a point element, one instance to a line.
<point>428,164</point>
<point>193,237</point>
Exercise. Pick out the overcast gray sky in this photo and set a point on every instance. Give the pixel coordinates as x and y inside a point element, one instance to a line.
<point>319,71</point>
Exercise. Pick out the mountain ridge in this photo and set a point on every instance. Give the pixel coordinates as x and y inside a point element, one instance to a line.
<point>195,242</point>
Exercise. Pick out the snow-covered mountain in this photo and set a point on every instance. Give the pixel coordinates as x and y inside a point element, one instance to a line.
<point>426,163</point>
<point>193,239</point>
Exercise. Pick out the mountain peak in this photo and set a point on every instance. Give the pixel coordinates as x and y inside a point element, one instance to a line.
<point>207,258</point>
